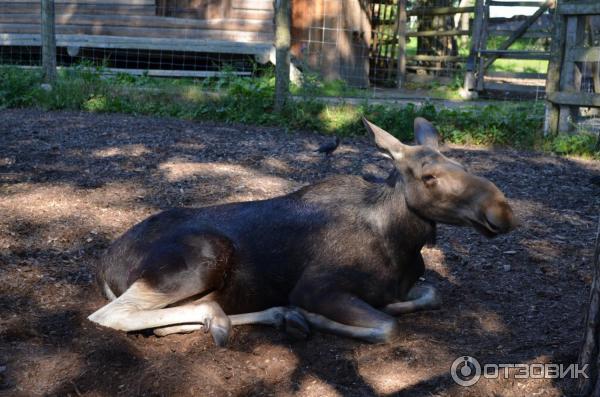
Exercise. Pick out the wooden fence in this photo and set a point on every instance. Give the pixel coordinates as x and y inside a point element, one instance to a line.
<point>572,51</point>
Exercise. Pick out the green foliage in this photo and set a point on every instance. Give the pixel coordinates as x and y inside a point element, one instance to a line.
<point>250,101</point>
<point>18,88</point>
<point>581,144</point>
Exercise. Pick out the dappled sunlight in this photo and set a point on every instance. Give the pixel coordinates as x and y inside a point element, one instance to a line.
<point>127,151</point>
<point>314,386</point>
<point>247,183</point>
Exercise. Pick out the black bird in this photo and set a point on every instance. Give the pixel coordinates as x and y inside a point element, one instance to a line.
<point>329,147</point>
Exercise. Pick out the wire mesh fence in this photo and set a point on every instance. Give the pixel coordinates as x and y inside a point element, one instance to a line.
<point>138,36</point>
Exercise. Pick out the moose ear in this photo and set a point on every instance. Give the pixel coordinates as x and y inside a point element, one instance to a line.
<point>425,133</point>
<point>385,141</point>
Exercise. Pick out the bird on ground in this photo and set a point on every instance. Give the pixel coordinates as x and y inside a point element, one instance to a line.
<point>329,147</point>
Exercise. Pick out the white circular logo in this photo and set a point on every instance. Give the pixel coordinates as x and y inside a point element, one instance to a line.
<point>466,371</point>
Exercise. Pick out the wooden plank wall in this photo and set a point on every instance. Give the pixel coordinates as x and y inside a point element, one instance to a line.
<point>235,20</point>
<point>332,38</point>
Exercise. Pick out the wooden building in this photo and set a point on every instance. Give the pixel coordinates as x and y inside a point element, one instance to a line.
<point>330,36</point>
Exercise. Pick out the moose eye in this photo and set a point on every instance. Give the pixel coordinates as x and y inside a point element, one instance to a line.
<point>428,178</point>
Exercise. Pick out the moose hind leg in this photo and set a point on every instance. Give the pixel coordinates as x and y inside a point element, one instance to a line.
<point>420,297</point>
<point>141,308</point>
<point>174,272</point>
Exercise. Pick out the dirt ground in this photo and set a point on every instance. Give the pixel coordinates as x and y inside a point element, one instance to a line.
<point>72,182</point>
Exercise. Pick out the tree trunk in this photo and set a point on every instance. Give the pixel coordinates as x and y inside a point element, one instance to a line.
<point>589,351</point>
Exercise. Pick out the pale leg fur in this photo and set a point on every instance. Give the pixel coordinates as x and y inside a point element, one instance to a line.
<point>421,297</point>
<point>141,307</point>
<point>284,318</point>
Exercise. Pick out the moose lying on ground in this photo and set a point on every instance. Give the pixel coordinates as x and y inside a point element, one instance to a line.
<point>341,256</point>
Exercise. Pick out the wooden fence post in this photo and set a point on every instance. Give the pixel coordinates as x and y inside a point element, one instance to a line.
<point>283,43</point>
<point>401,32</point>
<point>48,41</point>
<point>554,68</point>
<point>468,91</point>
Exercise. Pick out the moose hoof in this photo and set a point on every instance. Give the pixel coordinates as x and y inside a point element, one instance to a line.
<point>219,330</point>
<point>292,322</point>
<point>296,325</point>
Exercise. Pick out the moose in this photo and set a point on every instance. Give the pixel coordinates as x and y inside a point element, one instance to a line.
<point>341,256</point>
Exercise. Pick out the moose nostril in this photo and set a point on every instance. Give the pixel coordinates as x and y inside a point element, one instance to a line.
<point>500,218</point>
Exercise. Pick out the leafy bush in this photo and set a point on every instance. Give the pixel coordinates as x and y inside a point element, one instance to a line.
<point>18,88</point>
<point>577,144</point>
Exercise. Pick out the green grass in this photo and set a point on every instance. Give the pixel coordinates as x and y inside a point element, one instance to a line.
<point>250,101</point>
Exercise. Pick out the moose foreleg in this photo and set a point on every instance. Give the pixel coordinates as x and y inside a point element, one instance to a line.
<point>286,319</point>
<point>420,297</point>
<point>347,315</point>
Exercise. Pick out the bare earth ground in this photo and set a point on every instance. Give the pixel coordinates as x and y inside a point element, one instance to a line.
<point>72,182</point>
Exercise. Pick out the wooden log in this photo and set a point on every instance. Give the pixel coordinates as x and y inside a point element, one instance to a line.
<point>401,33</point>
<point>435,33</point>
<point>588,355</point>
<point>48,41</point>
<point>577,99</point>
<point>429,11</point>
<point>283,43</point>
<point>519,32</point>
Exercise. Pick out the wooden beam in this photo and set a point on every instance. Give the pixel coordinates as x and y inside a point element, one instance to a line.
<point>436,58</point>
<point>519,32</point>
<point>516,3</point>
<point>283,43</point>
<point>141,43</point>
<point>434,33</point>
<point>469,84</point>
<point>428,11</point>
<point>153,72</point>
<point>48,41</point>
<point>77,8</point>
<point>135,21</point>
<point>506,54</point>
<point>584,54</point>
<point>553,75</point>
<point>401,33</point>
<point>573,36</point>
<point>579,99</point>
<point>591,8</point>
<point>126,31</point>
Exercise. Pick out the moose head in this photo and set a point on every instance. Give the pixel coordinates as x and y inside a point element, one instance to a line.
<point>440,189</point>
